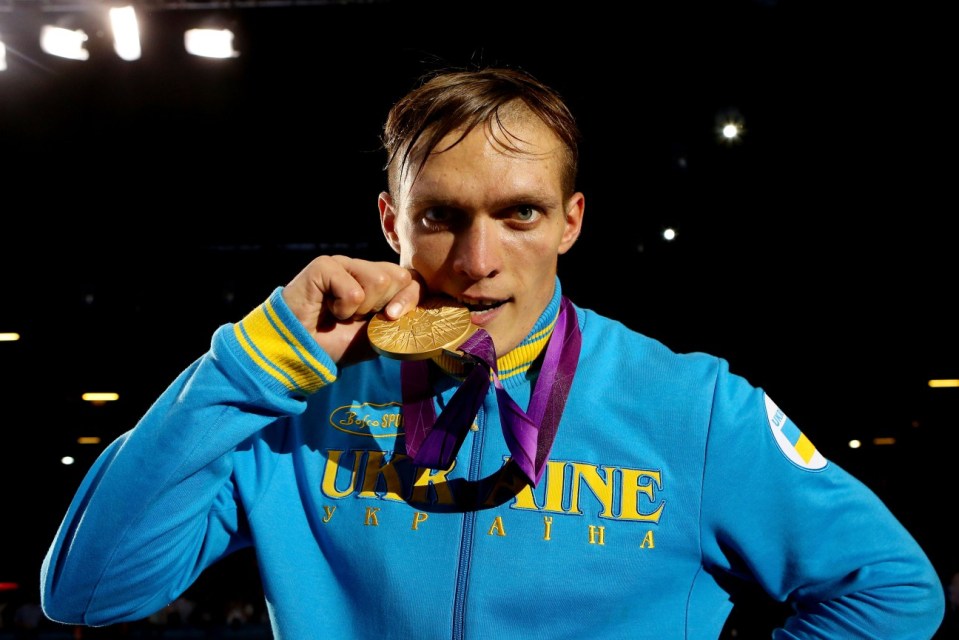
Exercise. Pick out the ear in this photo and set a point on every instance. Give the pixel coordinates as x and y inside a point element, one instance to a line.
<point>575,207</point>
<point>388,220</point>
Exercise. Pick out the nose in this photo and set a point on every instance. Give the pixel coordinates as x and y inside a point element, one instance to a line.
<point>478,250</point>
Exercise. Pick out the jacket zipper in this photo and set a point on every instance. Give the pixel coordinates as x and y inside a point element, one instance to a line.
<point>469,527</point>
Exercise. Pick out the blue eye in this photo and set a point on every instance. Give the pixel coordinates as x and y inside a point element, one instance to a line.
<point>526,213</point>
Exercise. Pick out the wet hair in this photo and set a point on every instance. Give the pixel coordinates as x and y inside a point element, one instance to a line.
<point>459,100</point>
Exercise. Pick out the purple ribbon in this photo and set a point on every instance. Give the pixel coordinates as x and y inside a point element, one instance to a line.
<point>434,442</point>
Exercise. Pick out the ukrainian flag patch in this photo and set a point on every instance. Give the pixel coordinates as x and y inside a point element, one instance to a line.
<point>792,442</point>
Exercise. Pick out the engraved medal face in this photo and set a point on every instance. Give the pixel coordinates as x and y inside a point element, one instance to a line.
<point>422,333</point>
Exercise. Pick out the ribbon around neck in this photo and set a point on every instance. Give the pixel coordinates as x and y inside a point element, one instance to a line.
<point>433,441</point>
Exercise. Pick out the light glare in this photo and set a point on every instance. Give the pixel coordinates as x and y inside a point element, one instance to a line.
<point>943,384</point>
<point>210,43</point>
<point>3,56</point>
<point>126,33</point>
<point>64,43</point>
<point>9,337</point>
<point>100,397</point>
<point>67,460</point>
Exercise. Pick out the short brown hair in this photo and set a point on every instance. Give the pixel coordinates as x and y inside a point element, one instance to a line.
<point>461,99</point>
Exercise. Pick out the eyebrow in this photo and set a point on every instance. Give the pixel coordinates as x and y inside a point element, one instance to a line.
<point>535,197</point>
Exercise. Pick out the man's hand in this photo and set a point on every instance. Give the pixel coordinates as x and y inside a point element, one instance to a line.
<point>335,296</point>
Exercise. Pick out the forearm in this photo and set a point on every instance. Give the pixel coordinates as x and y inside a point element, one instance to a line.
<point>900,611</point>
<point>159,505</point>
<point>811,534</point>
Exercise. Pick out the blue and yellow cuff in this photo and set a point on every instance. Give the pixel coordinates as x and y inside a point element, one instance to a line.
<point>281,347</point>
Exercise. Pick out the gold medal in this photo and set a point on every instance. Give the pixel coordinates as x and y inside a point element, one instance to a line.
<point>435,325</point>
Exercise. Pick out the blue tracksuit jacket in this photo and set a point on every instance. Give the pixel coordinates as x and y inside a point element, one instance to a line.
<point>671,481</point>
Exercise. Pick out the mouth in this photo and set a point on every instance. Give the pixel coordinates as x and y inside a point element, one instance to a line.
<point>479,306</point>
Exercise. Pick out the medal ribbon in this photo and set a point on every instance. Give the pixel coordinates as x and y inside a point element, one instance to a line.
<point>434,442</point>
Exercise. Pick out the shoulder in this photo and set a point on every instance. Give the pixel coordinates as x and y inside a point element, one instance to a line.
<point>611,340</point>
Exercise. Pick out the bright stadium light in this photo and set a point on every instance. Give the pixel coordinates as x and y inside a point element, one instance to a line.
<point>64,43</point>
<point>126,32</point>
<point>210,43</point>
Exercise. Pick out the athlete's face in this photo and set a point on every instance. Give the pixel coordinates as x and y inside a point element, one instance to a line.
<point>486,225</point>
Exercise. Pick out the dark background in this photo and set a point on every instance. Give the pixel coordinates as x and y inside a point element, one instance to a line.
<point>145,203</point>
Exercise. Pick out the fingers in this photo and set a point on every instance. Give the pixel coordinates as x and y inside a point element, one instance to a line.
<point>348,287</point>
<point>334,296</point>
<point>361,287</point>
<point>406,298</point>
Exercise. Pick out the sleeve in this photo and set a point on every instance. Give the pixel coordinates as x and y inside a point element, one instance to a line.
<point>159,506</point>
<point>776,512</point>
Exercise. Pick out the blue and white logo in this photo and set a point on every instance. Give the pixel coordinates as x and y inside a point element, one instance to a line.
<point>792,442</point>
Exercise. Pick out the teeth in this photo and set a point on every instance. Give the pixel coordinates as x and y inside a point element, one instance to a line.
<point>480,306</point>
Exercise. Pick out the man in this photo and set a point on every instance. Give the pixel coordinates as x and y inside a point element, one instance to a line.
<point>537,471</point>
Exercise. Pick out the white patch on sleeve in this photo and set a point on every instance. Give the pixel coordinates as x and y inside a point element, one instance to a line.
<point>792,442</point>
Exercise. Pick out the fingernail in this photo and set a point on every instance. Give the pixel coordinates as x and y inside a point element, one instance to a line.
<point>393,309</point>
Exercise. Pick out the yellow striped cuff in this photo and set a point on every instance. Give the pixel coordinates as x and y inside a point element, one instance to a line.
<point>278,352</point>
